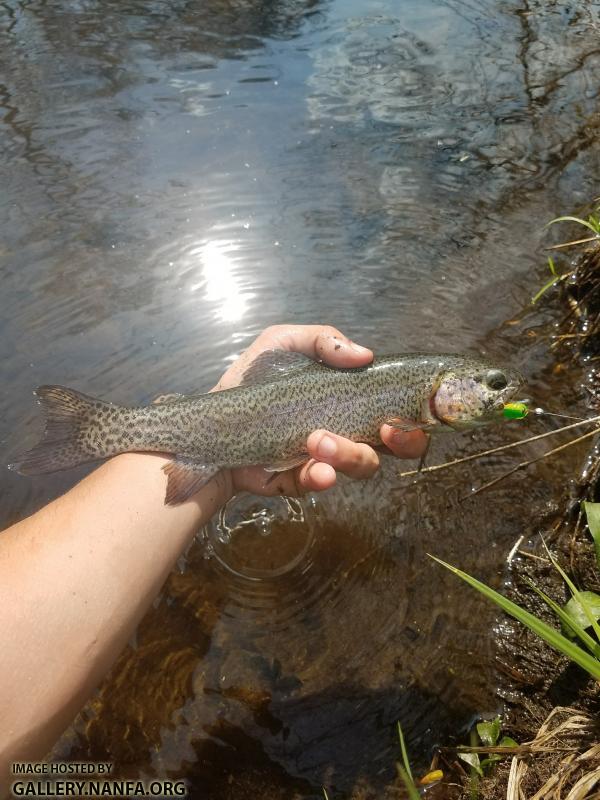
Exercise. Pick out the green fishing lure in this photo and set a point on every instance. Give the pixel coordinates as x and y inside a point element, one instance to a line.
<point>515,410</point>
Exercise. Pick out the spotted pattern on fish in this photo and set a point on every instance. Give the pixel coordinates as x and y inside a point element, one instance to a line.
<point>267,420</point>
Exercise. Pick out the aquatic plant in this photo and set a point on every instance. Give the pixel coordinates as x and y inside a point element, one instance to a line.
<point>556,277</point>
<point>404,770</point>
<point>577,616</point>
<point>561,762</point>
<point>592,513</point>
<point>592,223</point>
<point>485,740</point>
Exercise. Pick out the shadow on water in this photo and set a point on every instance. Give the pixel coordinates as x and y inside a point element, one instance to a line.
<point>253,657</point>
<point>178,175</point>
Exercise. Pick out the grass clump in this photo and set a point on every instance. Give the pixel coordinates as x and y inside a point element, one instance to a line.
<point>548,767</point>
<point>592,223</point>
<point>485,741</point>
<point>577,616</point>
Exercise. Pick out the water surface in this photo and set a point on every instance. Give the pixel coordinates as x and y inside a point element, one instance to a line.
<point>178,175</point>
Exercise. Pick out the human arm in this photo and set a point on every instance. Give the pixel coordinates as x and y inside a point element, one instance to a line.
<point>77,577</point>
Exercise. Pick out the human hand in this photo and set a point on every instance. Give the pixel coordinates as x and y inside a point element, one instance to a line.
<point>327,452</point>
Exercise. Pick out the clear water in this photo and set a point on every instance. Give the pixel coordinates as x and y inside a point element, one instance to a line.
<point>178,175</point>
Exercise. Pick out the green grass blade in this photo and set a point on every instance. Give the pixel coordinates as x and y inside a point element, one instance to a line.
<point>404,752</point>
<point>552,266</point>
<point>573,219</point>
<point>544,289</point>
<point>412,790</point>
<point>550,635</point>
<point>592,514</point>
<point>325,795</point>
<point>577,595</point>
<point>568,621</point>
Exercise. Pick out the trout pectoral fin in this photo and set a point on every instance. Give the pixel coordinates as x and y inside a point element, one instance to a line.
<point>407,425</point>
<point>286,463</point>
<point>186,477</point>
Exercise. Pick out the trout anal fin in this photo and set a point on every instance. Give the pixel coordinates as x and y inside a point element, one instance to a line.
<point>185,478</point>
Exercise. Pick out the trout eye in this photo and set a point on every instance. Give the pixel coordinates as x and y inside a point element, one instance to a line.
<point>496,380</point>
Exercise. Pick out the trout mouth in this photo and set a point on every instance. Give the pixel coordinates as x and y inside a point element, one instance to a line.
<point>498,403</point>
<point>494,407</point>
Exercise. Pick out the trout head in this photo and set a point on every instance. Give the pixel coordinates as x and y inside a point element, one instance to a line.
<point>475,396</point>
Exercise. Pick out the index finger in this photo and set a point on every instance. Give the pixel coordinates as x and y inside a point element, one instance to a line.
<point>320,342</point>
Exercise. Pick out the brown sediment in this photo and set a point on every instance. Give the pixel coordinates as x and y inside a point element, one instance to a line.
<point>562,760</point>
<point>579,327</point>
<point>552,706</point>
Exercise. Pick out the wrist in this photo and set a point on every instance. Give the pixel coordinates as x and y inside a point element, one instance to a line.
<point>145,472</point>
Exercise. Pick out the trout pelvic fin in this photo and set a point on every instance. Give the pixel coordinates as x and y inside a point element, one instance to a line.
<point>68,415</point>
<point>407,425</point>
<point>286,463</point>
<point>186,477</point>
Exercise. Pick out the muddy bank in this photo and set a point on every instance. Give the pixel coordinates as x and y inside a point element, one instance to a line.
<point>545,694</point>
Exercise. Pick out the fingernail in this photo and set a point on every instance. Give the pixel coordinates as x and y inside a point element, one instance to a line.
<point>327,447</point>
<point>359,348</point>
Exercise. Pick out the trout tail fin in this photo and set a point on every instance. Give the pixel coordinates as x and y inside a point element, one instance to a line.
<point>71,419</point>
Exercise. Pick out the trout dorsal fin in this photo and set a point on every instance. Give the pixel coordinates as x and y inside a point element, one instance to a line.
<point>273,365</point>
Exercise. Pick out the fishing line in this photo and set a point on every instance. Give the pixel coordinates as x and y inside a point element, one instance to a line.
<point>527,463</point>
<point>503,447</point>
<point>519,409</point>
<point>541,412</point>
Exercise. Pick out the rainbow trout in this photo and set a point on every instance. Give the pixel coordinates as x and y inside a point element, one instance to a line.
<point>266,420</point>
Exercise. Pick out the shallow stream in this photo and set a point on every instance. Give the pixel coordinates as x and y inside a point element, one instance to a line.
<point>178,175</point>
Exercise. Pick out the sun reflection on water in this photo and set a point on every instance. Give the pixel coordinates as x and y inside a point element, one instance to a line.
<point>219,280</point>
